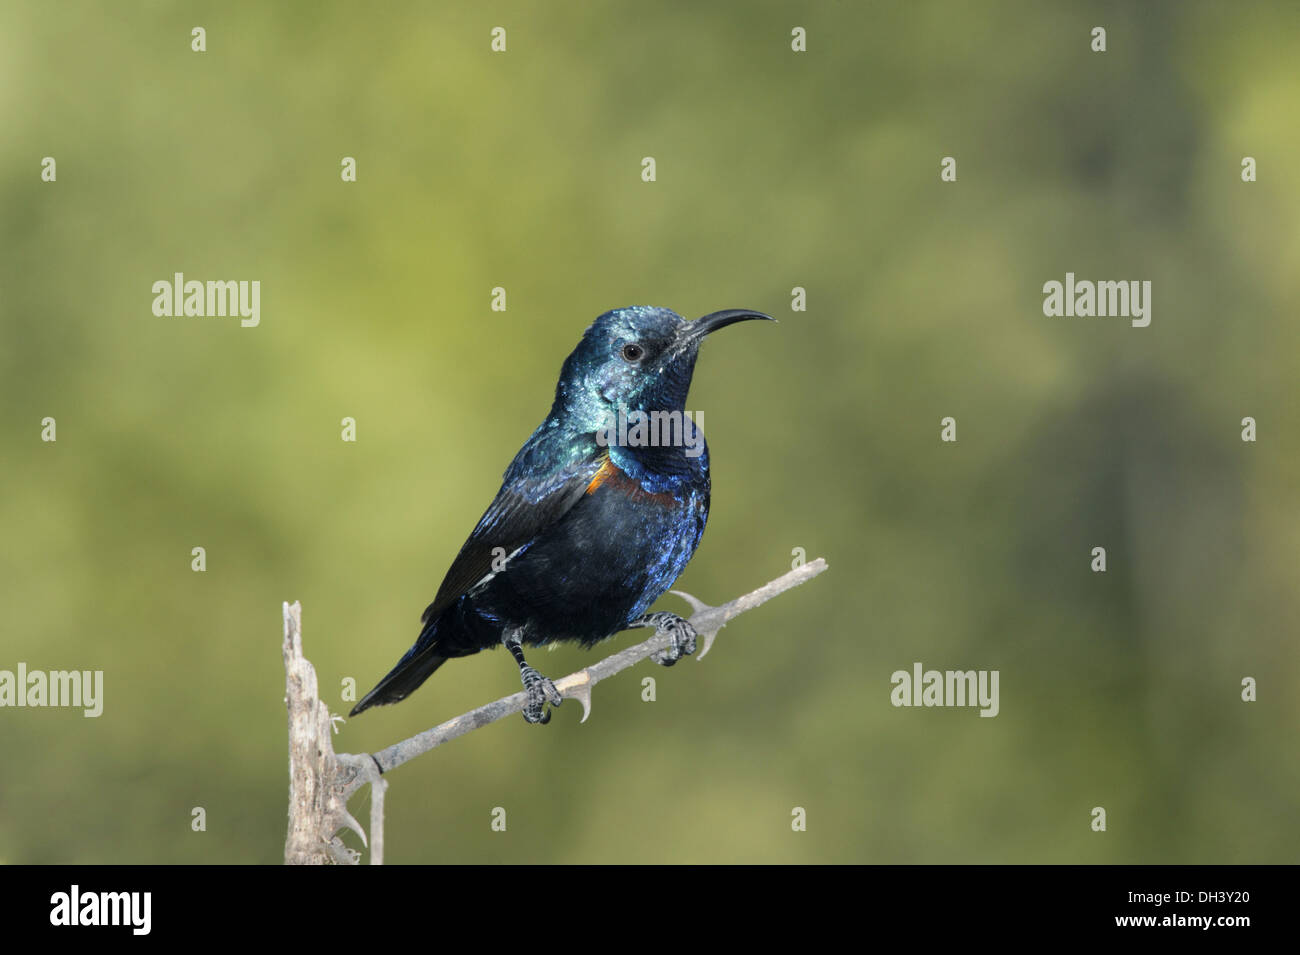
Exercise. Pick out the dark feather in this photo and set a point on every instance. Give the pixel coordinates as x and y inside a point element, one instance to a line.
<point>524,507</point>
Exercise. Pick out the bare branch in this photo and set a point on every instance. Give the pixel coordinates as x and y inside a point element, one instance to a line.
<point>706,620</point>
<point>321,782</point>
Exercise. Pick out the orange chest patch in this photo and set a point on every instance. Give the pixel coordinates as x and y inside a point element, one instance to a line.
<point>612,476</point>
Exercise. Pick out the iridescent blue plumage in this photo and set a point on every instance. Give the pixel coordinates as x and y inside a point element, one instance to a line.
<point>594,519</point>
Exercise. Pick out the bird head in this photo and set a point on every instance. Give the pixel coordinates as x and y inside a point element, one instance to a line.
<point>638,359</point>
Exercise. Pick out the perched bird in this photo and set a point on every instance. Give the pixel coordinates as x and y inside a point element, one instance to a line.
<point>597,515</point>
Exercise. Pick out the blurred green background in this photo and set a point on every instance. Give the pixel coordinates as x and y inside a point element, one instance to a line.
<point>775,169</point>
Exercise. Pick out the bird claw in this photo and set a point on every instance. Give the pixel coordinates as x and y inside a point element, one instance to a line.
<point>679,631</point>
<point>540,691</point>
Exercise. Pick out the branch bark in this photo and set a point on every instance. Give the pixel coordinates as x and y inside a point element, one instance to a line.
<point>321,782</point>
<point>317,807</point>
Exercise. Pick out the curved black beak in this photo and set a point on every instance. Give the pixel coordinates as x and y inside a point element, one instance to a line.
<point>697,329</point>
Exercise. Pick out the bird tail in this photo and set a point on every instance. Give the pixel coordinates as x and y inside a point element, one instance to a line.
<point>405,678</point>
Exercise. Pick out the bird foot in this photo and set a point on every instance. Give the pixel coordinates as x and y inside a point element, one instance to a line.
<point>540,691</point>
<point>679,631</point>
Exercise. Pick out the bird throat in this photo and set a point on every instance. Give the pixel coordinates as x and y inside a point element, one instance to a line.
<point>614,478</point>
<point>631,430</point>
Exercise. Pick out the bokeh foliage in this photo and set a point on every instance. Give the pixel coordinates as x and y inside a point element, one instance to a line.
<point>775,170</point>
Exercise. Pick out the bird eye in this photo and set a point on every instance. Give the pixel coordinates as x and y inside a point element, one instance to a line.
<point>633,352</point>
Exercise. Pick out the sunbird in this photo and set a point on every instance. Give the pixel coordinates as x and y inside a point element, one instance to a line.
<point>597,515</point>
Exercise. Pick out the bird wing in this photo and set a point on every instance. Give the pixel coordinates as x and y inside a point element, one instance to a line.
<point>526,505</point>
